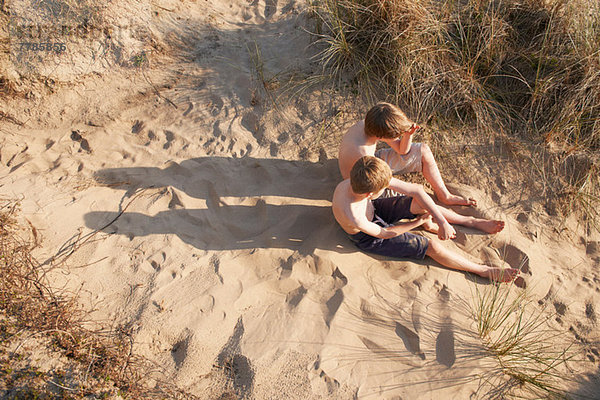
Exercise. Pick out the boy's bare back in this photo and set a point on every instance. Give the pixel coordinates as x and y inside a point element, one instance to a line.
<point>354,145</point>
<point>347,211</point>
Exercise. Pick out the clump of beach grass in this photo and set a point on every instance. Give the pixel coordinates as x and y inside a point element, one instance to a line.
<point>533,358</point>
<point>513,63</point>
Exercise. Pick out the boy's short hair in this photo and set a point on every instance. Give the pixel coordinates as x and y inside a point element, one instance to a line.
<point>369,174</point>
<point>386,121</point>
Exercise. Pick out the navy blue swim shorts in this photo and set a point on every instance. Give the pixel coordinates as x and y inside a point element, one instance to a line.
<point>387,212</point>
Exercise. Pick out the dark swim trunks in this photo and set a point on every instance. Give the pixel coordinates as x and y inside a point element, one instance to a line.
<point>389,211</point>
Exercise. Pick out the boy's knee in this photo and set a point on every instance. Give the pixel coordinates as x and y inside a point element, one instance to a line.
<point>426,151</point>
<point>433,248</point>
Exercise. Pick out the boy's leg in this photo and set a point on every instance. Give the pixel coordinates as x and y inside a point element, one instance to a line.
<point>431,172</point>
<point>485,225</point>
<point>451,259</point>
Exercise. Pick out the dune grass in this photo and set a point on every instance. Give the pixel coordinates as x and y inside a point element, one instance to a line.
<point>534,358</point>
<point>518,64</point>
<point>527,69</point>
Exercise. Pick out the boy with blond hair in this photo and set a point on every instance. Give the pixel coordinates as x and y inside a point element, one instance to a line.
<point>372,222</point>
<point>387,123</point>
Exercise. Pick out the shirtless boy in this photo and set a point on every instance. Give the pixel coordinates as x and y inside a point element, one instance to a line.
<point>387,123</point>
<point>372,223</point>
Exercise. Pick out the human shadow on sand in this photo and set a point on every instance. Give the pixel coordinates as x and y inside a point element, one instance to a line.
<point>206,177</point>
<point>223,226</point>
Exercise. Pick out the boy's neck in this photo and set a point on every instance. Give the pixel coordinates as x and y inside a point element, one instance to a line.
<point>356,197</point>
<point>371,140</point>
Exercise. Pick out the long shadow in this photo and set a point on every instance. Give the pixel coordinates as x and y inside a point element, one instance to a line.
<point>222,226</point>
<point>212,177</point>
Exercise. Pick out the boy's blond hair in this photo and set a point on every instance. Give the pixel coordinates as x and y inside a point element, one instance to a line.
<point>369,175</point>
<point>386,121</point>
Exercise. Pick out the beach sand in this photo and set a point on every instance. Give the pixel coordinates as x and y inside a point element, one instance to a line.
<point>202,176</point>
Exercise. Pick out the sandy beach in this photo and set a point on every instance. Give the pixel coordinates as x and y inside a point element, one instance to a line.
<point>191,152</point>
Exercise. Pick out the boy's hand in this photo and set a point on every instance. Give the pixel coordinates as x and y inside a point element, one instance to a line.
<point>413,129</point>
<point>446,231</point>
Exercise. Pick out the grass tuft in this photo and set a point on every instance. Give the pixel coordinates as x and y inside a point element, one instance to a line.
<point>533,358</point>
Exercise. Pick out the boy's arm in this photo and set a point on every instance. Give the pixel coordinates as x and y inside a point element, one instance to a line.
<point>402,145</point>
<point>417,192</point>
<point>372,229</point>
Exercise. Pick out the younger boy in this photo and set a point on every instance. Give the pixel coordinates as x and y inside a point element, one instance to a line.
<point>368,220</point>
<point>387,123</point>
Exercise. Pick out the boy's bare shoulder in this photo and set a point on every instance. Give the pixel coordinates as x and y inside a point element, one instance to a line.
<point>344,208</point>
<point>342,191</point>
<point>353,146</point>
<point>356,132</point>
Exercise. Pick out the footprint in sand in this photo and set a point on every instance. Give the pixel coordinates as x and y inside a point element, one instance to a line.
<point>286,266</point>
<point>189,109</point>
<point>83,143</point>
<point>215,105</point>
<point>179,350</point>
<point>217,129</point>
<point>410,339</point>
<point>237,367</point>
<point>251,122</point>
<point>445,352</point>
<point>392,354</point>
<point>295,296</point>
<point>371,316</point>
<point>515,258</point>
<point>593,250</point>
<point>151,137</point>
<point>331,384</point>
<point>333,304</point>
<point>560,307</point>
<point>169,136</point>
<point>590,312</point>
<point>504,253</point>
<point>138,127</point>
<point>444,346</point>
<point>215,264</point>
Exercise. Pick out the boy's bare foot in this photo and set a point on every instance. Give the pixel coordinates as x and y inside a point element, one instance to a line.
<point>430,226</point>
<point>488,225</point>
<point>454,200</point>
<point>497,274</point>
